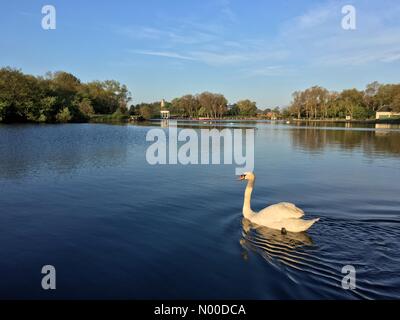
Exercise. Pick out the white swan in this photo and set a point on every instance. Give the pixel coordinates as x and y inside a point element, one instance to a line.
<point>282,216</point>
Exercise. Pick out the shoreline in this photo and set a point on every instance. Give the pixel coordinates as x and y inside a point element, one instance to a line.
<point>366,121</point>
<point>126,119</point>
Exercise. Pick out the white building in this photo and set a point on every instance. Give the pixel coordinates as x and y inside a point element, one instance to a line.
<point>386,112</point>
<point>164,112</point>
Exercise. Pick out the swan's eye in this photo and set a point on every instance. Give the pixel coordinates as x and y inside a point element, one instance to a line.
<point>242,176</point>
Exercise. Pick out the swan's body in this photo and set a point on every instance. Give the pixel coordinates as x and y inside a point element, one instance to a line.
<point>278,216</point>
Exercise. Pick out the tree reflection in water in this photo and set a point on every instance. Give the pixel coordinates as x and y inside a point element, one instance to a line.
<point>369,142</point>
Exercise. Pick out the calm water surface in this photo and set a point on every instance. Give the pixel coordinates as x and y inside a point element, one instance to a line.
<point>83,198</point>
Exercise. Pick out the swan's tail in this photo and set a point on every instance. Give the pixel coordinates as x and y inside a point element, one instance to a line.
<point>310,223</point>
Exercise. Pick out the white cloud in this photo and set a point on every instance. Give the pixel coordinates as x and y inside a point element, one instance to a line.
<point>220,58</point>
<point>391,57</point>
<point>165,54</point>
<point>268,71</point>
<point>314,18</point>
<point>319,41</point>
<point>167,36</point>
<point>312,39</point>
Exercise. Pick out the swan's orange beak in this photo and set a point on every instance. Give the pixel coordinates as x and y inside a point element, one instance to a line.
<point>241,177</point>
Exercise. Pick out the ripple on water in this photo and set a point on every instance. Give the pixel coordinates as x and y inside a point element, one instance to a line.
<point>315,260</point>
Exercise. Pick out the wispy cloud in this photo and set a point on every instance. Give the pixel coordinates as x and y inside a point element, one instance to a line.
<point>312,39</point>
<point>319,40</point>
<point>359,58</point>
<point>268,71</point>
<point>391,57</point>
<point>207,57</point>
<point>227,11</point>
<point>314,18</point>
<point>165,54</point>
<point>166,36</point>
<point>220,58</point>
<point>225,57</point>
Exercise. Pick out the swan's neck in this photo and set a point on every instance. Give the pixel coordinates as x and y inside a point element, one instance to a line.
<point>247,212</point>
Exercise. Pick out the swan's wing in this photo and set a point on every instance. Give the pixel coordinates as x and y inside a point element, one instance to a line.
<point>279,211</point>
<point>298,225</point>
<point>295,211</point>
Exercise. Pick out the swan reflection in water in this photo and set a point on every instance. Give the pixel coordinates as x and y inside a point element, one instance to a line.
<point>274,246</point>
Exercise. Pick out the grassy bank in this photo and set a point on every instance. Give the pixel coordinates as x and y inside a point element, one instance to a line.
<point>104,118</point>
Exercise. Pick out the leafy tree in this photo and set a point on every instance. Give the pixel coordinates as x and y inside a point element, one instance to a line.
<point>85,107</point>
<point>188,104</point>
<point>19,94</point>
<point>234,110</point>
<point>215,105</point>
<point>3,110</point>
<point>319,103</point>
<point>64,115</point>
<point>297,104</point>
<point>202,112</point>
<point>396,103</point>
<point>247,108</point>
<point>352,100</point>
<point>43,99</point>
<point>146,111</point>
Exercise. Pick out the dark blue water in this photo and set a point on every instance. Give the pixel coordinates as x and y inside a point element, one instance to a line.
<point>83,198</point>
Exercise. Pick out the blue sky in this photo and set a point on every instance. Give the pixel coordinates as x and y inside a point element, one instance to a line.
<point>261,50</point>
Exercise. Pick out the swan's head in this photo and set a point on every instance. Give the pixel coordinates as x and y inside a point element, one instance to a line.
<point>247,176</point>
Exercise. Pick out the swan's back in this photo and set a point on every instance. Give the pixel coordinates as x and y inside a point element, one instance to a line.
<point>280,211</point>
<point>283,215</point>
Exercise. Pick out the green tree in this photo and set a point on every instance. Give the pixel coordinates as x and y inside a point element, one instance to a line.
<point>41,99</point>
<point>247,108</point>
<point>234,110</point>
<point>187,106</point>
<point>214,104</point>
<point>85,107</point>
<point>297,105</point>
<point>146,111</point>
<point>396,103</point>
<point>64,115</point>
<point>19,95</point>
<point>3,110</point>
<point>353,101</point>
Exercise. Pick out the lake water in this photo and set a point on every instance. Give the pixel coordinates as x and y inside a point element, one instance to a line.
<point>82,197</point>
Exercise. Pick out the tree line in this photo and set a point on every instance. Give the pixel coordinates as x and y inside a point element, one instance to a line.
<point>205,104</point>
<point>313,103</point>
<point>62,97</point>
<point>319,103</point>
<point>57,97</point>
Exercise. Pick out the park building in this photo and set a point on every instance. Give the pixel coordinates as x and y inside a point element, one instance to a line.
<point>386,112</point>
<point>164,112</point>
